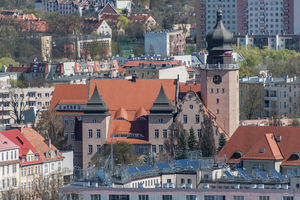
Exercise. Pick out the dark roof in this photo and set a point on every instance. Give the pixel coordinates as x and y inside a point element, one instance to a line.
<point>162,103</point>
<point>219,39</point>
<point>29,116</point>
<point>96,104</point>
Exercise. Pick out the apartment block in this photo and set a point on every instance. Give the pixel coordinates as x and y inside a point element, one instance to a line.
<point>165,43</point>
<point>281,95</point>
<point>23,99</point>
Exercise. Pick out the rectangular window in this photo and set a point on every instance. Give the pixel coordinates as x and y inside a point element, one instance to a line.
<point>288,198</point>
<point>214,197</point>
<point>191,197</point>
<point>166,197</point>
<point>197,119</point>
<point>264,198</point>
<point>90,149</point>
<point>143,197</point>
<point>184,119</point>
<point>90,133</point>
<point>98,133</point>
<point>118,197</point>
<point>199,133</point>
<point>98,148</point>
<point>95,197</point>
<point>161,148</point>
<point>154,148</point>
<point>156,132</point>
<point>238,197</point>
<point>165,133</point>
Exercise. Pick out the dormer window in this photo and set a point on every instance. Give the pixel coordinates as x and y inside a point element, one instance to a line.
<point>262,150</point>
<point>36,157</point>
<point>294,156</point>
<point>23,159</point>
<point>236,155</point>
<point>120,118</point>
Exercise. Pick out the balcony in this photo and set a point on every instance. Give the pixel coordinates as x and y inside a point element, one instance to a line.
<point>220,66</point>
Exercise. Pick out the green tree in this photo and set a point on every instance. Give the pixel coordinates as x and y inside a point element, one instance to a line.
<point>175,129</point>
<point>222,141</point>
<point>207,141</point>
<point>182,147</point>
<point>123,153</point>
<point>8,61</point>
<point>192,143</point>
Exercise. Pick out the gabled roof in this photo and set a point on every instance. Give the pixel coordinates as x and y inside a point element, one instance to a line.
<point>250,139</point>
<point>25,146</point>
<point>38,142</point>
<point>6,144</point>
<point>162,104</point>
<point>108,9</point>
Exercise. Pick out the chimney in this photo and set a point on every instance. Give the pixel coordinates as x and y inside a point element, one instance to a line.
<point>48,142</point>
<point>134,76</point>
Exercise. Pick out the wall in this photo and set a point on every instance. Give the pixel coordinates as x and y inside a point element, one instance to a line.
<point>173,72</point>
<point>156,43</point>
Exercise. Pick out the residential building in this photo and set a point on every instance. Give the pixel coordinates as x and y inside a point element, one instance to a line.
<point>50,156</point>
<point>108,11</point>
<point>253,17</point>
<point>23,99</point>
<point>93,25</point>
<point>148,21</point>
<point>63,7</point>
<point>165,43</point>
<point>30,160</point>
<point>219,78</point>
<point>9,164</point>
<point>276,42</point>
<point>264,148</point>
<point>281,95</point>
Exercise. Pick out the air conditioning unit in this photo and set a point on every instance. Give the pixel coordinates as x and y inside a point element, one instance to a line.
<point>261,186</point>
<point>189,186</point>
<point>205,186</point>
<point>253,186</point>
<point>278,186</point>
<point>182,186</point>
<point>236,186</point>
<point>285,186</point>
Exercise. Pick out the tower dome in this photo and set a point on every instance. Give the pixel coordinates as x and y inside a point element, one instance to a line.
<point>219,39</point>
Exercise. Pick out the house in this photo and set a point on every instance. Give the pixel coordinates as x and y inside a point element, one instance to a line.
<point>264,148</point>
<point>98,26</point>
<point>144,19</point>
<point>9,164</point>
<point>108,10</point>
<point>30,162</point>
<point>51,157</point>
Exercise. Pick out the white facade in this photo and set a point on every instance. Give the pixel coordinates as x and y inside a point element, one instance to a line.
<point>124,5</point>
<point>36,98</point>
<point>67,162</point>
<point>5,79</point>
<point>296,17</point>
<point>156,43</point>
<point>229,14</point>
<point>173,73</point>
<point>64,8</point>
<point>265,17</point>
<point>9,169</point>
<point>104,29</point>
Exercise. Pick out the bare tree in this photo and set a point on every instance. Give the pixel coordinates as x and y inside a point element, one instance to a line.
<point>18,105</point>
<point>50,127</point>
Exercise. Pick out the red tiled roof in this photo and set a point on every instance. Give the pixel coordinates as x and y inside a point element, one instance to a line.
<point>250,139</point>
<point>71,94</point>
<point>38,142</point>
<point>136,63</point>
<point>184,88</point>
<point>18,69</point>
<point>24,145</point>
<point>6,144</point>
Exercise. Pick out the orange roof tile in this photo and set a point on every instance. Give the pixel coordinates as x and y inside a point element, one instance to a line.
<point>249,139</point>
<point>184,88</point>
<point>38,142</point>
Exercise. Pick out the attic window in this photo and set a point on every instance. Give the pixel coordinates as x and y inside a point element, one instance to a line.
<point>262,150</point>
<point>236,155</point>
<point>140,118</point>
<point>19,139</point>
<point>294,156</point>
<point>4,142</point>
<point>120,118</point>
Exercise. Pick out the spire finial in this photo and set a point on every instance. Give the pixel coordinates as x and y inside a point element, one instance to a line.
<point>219,14</point>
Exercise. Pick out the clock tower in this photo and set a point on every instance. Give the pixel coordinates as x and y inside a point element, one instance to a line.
<point>220,78</point>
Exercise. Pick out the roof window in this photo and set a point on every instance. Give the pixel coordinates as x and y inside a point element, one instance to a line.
<point>262,150</point>
<point>236,155</point>
<point>294,156</point>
